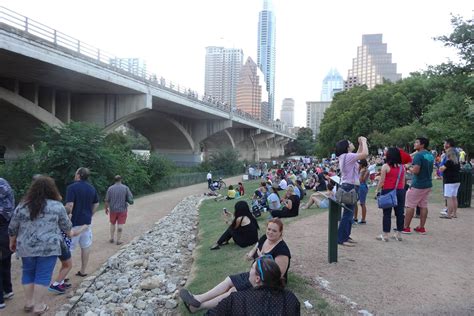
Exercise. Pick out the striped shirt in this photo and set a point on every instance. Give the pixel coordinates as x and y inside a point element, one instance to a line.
<point>117,197</point>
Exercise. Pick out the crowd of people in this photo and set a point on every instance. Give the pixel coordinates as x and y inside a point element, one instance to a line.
<point>41,230</point>
<point>283,186</point>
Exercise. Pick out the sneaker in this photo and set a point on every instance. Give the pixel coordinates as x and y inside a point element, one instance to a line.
<point>382,238</point>
<point>444,211</point>
<point>2,305</point>
<point>8,295</point>
<point>362,222</point>
<point>421,230</point>
<point>58,289</point>
<point>65,285</point>
<point>406,230</point>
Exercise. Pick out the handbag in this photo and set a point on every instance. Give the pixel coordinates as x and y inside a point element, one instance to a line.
<point>343,196</point>
<point>389,200</point>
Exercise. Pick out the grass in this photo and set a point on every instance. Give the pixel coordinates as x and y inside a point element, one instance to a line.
<point>211,267</point>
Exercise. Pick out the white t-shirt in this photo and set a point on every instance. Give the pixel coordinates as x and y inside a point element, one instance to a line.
<point>283,184</point>
<point>209,176</point>
<point>274,201</point>
<point>372,169</point>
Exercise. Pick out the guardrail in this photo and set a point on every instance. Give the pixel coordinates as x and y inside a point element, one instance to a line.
<point>39,31</point>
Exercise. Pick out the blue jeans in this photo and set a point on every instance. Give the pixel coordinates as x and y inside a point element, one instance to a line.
<point>345,226</point>
<point>399,212</point>
<point>38,270</point>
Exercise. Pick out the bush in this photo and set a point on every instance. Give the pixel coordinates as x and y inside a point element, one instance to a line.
<point>225,161</point>
<point>158,167</point>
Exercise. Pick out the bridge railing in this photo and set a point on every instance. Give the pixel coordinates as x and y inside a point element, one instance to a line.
<point>41,32</point>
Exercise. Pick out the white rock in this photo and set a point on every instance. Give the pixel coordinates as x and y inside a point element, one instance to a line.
<point>170,304</point>
<point>89,313</point>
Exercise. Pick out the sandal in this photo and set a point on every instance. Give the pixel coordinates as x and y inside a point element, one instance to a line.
<point>44,310</point>
<point>189,299</point>
<point>445,216</point>
<point>79,273</point>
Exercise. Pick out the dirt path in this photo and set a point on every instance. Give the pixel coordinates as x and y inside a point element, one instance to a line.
<point>422,275</point>
<point>142,215</point>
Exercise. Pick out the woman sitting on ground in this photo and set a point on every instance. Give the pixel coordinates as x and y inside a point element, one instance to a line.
<point>267,296</point>
<point>309,185</point>
<point>271,243</point>
<point>231,194</point>
<point>321,199</point>
<point>274,199</point>
<point>243,229</point>
<point>240,188</point>
<point>260,195</point>
<point>291,204</point>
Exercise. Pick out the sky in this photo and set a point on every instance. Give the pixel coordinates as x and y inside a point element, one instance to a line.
<point>311,36</point>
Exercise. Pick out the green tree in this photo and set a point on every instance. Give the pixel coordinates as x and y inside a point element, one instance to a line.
<point>304,143</point>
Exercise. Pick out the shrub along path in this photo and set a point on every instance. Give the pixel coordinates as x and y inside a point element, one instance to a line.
<point>142,215</point>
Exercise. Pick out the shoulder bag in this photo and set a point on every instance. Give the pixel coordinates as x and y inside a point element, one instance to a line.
<point>389,199</point>
<point>343,196</point>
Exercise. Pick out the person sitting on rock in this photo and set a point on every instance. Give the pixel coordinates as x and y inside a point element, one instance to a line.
<point>243,229</point>
<point>266,297</point>
<point>271,243</point>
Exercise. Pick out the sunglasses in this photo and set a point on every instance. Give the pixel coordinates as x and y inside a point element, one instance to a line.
<point>260,263</point>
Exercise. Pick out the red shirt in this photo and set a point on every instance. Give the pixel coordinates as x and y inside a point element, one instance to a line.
<point>391,178</point>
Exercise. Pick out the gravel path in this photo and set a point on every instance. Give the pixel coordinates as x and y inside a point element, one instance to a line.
<point>422,275</point>
<point>142,216</point>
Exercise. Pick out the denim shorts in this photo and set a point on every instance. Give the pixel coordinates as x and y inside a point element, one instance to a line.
<point>363,190</point>
<point>38,270</point>
<point>65,252</point>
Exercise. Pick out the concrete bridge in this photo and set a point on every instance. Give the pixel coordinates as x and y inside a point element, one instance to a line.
<point>48,77</point>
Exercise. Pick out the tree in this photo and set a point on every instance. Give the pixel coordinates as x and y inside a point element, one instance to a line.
<point>304,143</point>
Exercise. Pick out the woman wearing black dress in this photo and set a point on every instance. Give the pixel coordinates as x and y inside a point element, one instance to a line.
<point>243,229</point>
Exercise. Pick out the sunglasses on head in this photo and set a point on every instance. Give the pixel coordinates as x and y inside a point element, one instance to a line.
<point>260,263</point>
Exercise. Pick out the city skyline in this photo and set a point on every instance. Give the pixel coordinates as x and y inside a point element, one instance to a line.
<point>172,41</point>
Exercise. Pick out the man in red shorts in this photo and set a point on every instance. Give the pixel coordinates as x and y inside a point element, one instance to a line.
<point>419,191</point>
<point>117,199</point>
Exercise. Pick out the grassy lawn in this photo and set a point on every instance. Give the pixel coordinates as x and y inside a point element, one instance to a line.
<point>211,267</point>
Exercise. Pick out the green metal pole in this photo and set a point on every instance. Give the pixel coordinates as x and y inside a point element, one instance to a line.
<point>334,216</point>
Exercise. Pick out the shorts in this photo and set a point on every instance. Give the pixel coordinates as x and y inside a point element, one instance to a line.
<point>451,189</point>
<point>324,203</point>
<point>417,197</point>
<point>84,240</point>
<point>37,270</point>
<point>65,252</point>
<point>363,190</point>
<point>241,281</point>
<point>118,217</point>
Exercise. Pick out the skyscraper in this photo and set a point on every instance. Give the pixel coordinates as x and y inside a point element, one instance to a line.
<point>251,90</point>
<point>266,52</point>
<point>372,65</point>
<point>332,83</point>
<point>314,115</point>
<point>222,73</point>
<point>287,113</point>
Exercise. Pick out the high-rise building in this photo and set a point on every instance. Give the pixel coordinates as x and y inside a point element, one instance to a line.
<point>373,64</point>
<point>287,113</point>
<point>135,66</point>
<point>332,83</point>
<point>266,52</point>
<point>222,73</point>
<point>251,89</point>
<point>314,115</point>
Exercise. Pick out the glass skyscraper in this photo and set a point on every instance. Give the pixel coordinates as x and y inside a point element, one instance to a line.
<point>332,83</point>
<point>266,52</point>
<point>222,73</point>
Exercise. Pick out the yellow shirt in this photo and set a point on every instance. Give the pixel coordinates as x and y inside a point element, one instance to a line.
<point>231,194</point>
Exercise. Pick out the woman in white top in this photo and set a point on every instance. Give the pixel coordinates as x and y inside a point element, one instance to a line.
<point>274,199</point>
